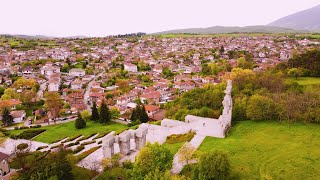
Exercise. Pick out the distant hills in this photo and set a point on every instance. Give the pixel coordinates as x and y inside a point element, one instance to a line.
<point>300,22</point>
<point>232,29</point>
<point>39,36</point>
<point>308,19</point>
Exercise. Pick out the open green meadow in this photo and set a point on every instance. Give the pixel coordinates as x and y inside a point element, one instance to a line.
<point>54,133</point>
<point>270,150</point>
<point>304,81</point>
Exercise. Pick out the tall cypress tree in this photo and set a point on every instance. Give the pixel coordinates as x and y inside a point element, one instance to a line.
<point>143,115</point>
<point>95,113</point>
<point>6,117</point>
<point>80,123</point>
<point>105,115</point>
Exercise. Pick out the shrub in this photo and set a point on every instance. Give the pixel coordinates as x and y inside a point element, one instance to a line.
<point>41,147</point>
<point>78,149</point>
<point>175,138</point>
<point>101,135</point>
<point>120,131</point>
<point>87,153</point>
<point>71,139</point>
<point>87,137</point>
<point>89,142</point>
<point>28,134</point>
<point>58,140</point>
<point>22,146</point>
<point>72,144</point>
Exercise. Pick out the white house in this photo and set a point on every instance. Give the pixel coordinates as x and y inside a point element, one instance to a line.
<point>76,84</point>
<point>130,67</point>
<point>76,72</point>
<point>18,116</point>
<point>53,85</point>
<point>49,69</point>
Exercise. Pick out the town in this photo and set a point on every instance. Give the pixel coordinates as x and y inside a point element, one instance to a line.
<point>127,83</point>
<point>124,71</point>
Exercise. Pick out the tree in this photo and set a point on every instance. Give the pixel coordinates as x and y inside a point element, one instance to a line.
<point>144,118</point>
<point>115,113</point>
<point>7,119</point>
<point>260,108</point>
<point>86,115</point>
<point>47,166</point>
<point>9,93</point>
<point>244,64</point>
<point>53,103</point>
<point>95,113</point>
<point>150,158</point>
<point>105,115</point>
<point>135,115</point>
<point>213,165</point>
<point>294,72</point>
<point>80,123</point>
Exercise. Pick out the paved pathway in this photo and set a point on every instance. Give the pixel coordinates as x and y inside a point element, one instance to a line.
<point>178,166</point>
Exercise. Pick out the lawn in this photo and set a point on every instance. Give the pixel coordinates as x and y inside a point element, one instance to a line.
<point>174,148</point>
<point>60,131</point>
<point>304,81</point>
<point>270,150</point>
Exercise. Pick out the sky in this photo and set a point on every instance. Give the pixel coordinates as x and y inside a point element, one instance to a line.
<point>105,17</point>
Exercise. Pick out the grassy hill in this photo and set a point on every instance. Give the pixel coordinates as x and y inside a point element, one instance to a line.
<point>270,150</point>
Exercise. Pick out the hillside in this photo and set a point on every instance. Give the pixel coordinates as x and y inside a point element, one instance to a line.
<point>231,29</point>
<point>305,20</point>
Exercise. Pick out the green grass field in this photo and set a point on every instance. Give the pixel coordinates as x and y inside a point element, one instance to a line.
<point>304,81</point>
<point>60,131</point>
<point>270,150</point>
<point>174,148</point>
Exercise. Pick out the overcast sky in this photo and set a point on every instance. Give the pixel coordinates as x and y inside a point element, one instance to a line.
<point>105,17</point>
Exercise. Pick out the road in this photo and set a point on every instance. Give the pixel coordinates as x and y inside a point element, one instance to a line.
<point>88,90</point>
<point>42,88</point>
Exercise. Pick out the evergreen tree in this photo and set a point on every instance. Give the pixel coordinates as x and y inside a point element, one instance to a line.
<point>95,113</point>
<point>6,117</point>
<point>105,115</point>
<point>136,114</point>
<point>144,118</point>
<point>63,168</point>
<point>80,123</point>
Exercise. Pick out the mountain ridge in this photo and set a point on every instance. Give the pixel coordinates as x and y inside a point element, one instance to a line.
<point>233,29</point>
<point>308,19</point>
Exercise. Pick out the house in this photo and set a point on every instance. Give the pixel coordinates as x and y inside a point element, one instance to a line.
<point>76,72</point>
<point>48,69</point>
<point>151,97</point>
<point>76,100</point>
<point>53,85</point>
<point>18,116</point>
<point>4,164</point>
<point>11,103</point>
<point>151,109</point>
<point>96,97</point>
<point>27,70</point>
<point>122,101</point>
<point>76,84</point>
<point>184,86</point>
<point>130,67</point>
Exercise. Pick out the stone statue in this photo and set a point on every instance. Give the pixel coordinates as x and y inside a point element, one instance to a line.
<point>108,146</point>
